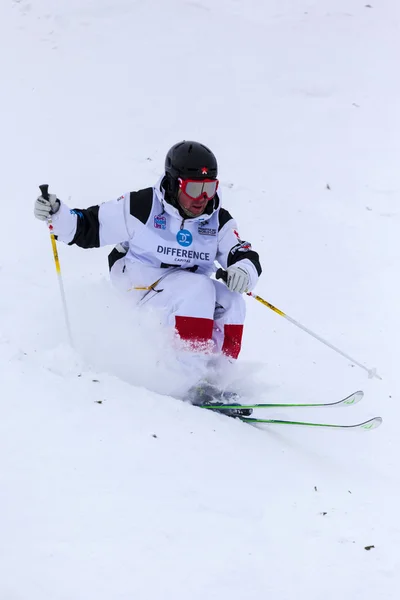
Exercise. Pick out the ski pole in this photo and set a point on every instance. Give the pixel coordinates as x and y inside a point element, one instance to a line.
<point>45,193</point>
<point>221,274</point>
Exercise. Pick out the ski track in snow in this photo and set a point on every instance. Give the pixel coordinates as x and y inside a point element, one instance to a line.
<point>108,488</point>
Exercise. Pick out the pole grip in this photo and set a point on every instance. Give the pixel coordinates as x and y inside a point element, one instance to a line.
<point>221,274</point>
<point>45,190</point>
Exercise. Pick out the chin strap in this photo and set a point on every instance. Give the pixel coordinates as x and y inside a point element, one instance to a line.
<point>170,188</point>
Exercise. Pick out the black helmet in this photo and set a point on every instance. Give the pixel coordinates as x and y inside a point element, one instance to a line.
<point>187,160</point>
<point>191,160</point>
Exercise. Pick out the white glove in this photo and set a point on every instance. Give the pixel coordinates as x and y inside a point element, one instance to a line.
<point>237,279</point>
<point>45,208</point>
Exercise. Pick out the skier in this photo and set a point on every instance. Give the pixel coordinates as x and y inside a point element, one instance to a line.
<point>168,237</point>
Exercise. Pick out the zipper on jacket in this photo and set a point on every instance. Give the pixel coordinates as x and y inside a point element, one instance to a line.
<point>182,224</point>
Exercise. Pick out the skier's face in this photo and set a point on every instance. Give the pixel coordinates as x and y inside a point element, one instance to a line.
<point>192,206</point>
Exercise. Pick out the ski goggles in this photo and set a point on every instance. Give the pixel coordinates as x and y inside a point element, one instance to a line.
<point>195,188</point>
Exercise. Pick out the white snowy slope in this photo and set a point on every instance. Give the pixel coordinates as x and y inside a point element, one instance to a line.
<point>108,489</point>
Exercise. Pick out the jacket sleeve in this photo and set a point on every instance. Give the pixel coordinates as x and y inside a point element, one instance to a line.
<point>108,223</point>
<point>231,249</point>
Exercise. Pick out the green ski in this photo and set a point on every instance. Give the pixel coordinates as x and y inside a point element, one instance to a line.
<point>348,401</point>
<point>370,424</point>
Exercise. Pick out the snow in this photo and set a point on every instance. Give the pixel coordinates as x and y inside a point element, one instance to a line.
<point>111,490</point>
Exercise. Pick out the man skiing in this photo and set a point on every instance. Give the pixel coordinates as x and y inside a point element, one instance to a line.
<point>168,237</point>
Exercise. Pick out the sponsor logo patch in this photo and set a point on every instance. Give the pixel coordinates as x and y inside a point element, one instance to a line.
<point>207,230</point>
<point>76,212</point>
<point>160,222</point>
<point>242,247</point>
<point>184,237</point>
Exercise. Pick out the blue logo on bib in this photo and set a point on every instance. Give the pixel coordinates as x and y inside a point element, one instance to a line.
<point>184,237</point>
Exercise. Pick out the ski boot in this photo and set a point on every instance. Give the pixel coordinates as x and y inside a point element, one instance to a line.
<point>207,396</point>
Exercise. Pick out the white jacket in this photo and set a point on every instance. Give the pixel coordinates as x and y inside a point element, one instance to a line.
<point>158,235</point>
